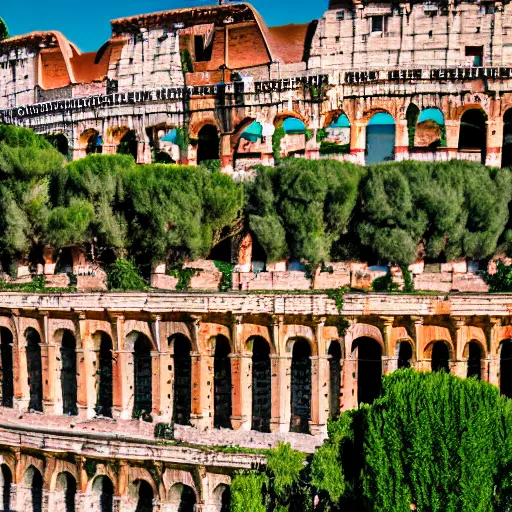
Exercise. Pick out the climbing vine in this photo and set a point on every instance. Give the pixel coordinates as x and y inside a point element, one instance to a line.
<point>226,281</point>
<point>279,133</point>
<point>184,276</point>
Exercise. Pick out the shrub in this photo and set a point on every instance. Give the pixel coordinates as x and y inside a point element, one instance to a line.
<point>123,275</point>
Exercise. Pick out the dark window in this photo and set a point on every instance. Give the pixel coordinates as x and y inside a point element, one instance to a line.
<point>104,404</point>
<point>222,383</point>
<point>182,380</point>
<point>68,375</point>
<point>261,400</point>
<point>477,52</point>
<point>143,376</point>
<point>340,15</point>
<point>202,53</point>
<point>301,387</point>
<point>377,23</point>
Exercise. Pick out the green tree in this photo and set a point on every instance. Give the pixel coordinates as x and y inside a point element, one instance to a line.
<point>27,162</point>
<point>177,212</point>
<point>309,202</point>
<point>441,210</point>
<point>4,32</point>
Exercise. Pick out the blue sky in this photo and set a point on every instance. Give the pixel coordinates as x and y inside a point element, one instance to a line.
<point>88,23</point>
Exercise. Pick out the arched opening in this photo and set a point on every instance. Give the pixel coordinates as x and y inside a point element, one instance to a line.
<point>506,368</point>
<point>145,499</point>
<point>66,486</point>
<point>430,130</point>
<point>335,138</point>
<point>103,491</point>
<point>35,370</point>
<point>506,160</point>
<point>184,497</point>
<point>93,142</point>
<point>440,357</point>
<point>380,138</point>
<point>369,369</point>
<point>142,378</point>
<point>182,380</point>
<point>289,137</point>
<point>128,144</point>
<point>104,400</point>
<point>6,371</point>
<point>301,387</point>
<point>222,498</point>
<point>334,379</point>
<point>474,357</point>
<point>249,146</point>
<point>64,264</point>
<point>404,354</point>
<point>261,385</point>
<point>68,375</point>
<point>412,114</point>
<point>60,142</point>
<point>473,132</point>
<point>222,383</point>
<point>208,144</point>
<point>33,483</point>
<point>5,486</point>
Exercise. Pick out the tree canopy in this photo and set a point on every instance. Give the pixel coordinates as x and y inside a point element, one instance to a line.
<point>432,442</point>
<point>301,208</point>
<point>4,32</point>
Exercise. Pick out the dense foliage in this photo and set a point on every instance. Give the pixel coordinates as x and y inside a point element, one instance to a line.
<point>302,208</point>
<point>442,210</point>
<point>4,32</point>
<point>432,442</point>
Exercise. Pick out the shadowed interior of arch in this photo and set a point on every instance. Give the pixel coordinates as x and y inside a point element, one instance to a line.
<point>35,370</point>
<point>222,383</point>
<point>440,357</point>
<point>143,376</point>
<point>334,378</point>
<point>261,385</point>
<point>104,396</point>
<point>68,374</point>
<point>369,369</point>
<point>182,398</point>
<point>6,370</point>
<point>301,386</point>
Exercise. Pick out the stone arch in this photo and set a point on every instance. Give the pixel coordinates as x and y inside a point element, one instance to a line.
<point>181,348</point>
<point>411,115</point>
<point>61,466</point>
<point>31,490</point>
<point>142,373</point>
<point>400,334</point>
<point>101,493</point>
<point>68,370</point>
<point>184,497</point>
<point>404,353</point>
<point>474,354</point>
<point>142,492</point>
<point>65,491</point>
<point>221,497</point>
<point>7,367</point>
<point>432,333</point>
<point>34,369</point>
<point>90,141</point>
<point>430,128</point>
<point>208,143</point>
<point>380,137</point>
<point>294,332</point>
<point>104,385</point>
<point>222,382</point>
<point>368,353</point>
<point>438,351</point>
<point>360,330</point>
<point>128,144</point>
<point>301,385</point>
<point>250,332</point>
<point>473,128</point>
<point>292,138</point>
<point>134,329</point>
<point>261,383</point>
<point>6,481</point>
<point>208,334</point>
<point>172,477</point>
<point>335,133</point>
<point>335,365</point>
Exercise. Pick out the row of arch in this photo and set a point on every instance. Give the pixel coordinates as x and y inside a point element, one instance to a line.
<point>142,495</point>
<point>365,351</point>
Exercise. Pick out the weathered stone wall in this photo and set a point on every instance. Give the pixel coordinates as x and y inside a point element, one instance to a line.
<point>414,35</point>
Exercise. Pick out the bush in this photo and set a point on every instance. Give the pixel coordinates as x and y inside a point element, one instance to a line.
<point>501,281</point>
<point>123,275</point>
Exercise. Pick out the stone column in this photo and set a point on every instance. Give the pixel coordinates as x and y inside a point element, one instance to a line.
<point>389,357</point>
<point>144,153</point>
<point>122,384</point>
<point>459,366</point>
<point>241,399</point>
<point>267,153</point>
<point>192,155</point>
<point>349,383</point>
<point>47,494</point>
<point>165,383</point>
<point>51,404</point>
<point>452,137</point>
<point>401,140</point>
<point>87,381</point>
<point>281,392</point>
<point>155,383</point>
<point>20,369</point>
<point>202,390</point>
<point>226,155</point>
<point>358,142</point>
<point>494,142</point>
<point>389,364</point>
<point>313,148</point>
<point>319,395</point>
<point>493,356</point>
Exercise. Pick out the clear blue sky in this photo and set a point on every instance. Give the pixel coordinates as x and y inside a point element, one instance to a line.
<point>88,23</point>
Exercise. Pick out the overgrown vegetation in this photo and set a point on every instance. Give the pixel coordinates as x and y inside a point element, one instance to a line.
<point>501,281</point>
<point>123,275</point>
<point>431,442</point>
<point>4,32</point>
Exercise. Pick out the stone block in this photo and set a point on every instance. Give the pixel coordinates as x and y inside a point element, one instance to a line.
<point>469,282</point>
<point>433,281</point>
<point>57,281</point>
<point>91,284</point>
<point>163,282</point>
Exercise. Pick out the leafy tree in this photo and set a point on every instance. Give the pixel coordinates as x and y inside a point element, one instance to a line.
<point>311,203</point>
<point>27,161</point>
<point>4,32</point>
<point>177,211</point>
<point>452,209</point>
<point>92,184</point>
<point>124,275</point>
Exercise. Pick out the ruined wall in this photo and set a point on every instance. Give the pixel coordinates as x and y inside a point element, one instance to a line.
<point>425,34</point>
<point>18,77</point>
